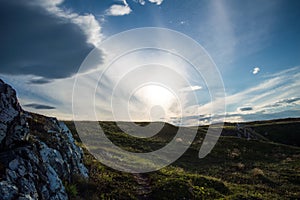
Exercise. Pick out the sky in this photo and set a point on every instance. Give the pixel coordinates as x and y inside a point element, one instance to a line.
<point>254,47</point>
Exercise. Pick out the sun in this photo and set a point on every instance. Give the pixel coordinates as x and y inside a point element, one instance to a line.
<point>157,95</point>
<point>156,99</point>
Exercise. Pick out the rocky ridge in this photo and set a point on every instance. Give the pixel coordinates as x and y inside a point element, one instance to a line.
<point>37,153</point>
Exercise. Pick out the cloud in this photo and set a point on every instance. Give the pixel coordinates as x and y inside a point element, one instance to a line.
<point>245,109</point>
<point>273,88</point>
<point>283,102</point>
<point>40,39</point>
<point>39,106</point>
<point>87,22</point>
<point>38,81</point>
<point>142,2</point>
<point>157,2</point>
<point>119,10</point>
<point>191,88</point>
<point>196,87</point>
<point>255,70</point>
<point>275,97</point>
<point>90,26</point>
<point>261,115</point>
<point>271,99</point>
<point>192,120</point>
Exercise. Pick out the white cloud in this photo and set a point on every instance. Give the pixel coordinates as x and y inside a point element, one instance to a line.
<point>196,87</point>
<point>265,92</point>
<point>91,27</point>
<point>157,2</point>
<point>275,97</point>
<point>255,70</point>
<point>142,2</point>
<point>191,88</point>
<point>87,23</point>
<point>119,10</point>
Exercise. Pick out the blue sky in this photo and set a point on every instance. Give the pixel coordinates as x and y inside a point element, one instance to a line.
<point>254,44</point>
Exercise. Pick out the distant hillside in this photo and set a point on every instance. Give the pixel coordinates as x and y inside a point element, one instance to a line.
<point>284,131</point>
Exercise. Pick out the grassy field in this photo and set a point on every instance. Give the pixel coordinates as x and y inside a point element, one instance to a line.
<point>264,168</point>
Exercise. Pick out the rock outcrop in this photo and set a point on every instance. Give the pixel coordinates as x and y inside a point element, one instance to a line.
<point>37,153</point>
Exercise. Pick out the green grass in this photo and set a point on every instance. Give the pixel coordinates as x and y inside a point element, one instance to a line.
<point>235,169</point>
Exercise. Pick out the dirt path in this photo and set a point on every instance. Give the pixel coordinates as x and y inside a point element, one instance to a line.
<point>144,188</point>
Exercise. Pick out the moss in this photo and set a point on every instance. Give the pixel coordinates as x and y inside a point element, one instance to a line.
<point>217,185</point>
<point>71,189</point>
<point>172,188</point>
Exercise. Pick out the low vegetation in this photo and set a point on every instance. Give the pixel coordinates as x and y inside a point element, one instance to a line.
<point>236,168</point>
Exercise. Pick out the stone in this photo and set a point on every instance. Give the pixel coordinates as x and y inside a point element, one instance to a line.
<point>7,190</point>
<point>39,153</point>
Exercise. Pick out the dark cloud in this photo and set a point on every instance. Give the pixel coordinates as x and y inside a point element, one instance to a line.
<point>39,106</point>
<point>245,108</point>
<point>35,42</point>
<point>39,81</point>
<point>283,102</point>
<point>184,119</point>
<point>267,116</point>
<point>292,100</point>
<point>264,115</point>
<point>257,116</point>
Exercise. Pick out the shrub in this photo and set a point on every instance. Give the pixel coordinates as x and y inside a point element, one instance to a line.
<point>217,185</point>
<point>257,172</point>
<point>172,189</point>
<point>71,189</point>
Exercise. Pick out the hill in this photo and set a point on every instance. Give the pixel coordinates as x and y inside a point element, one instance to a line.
<point>251,166</point>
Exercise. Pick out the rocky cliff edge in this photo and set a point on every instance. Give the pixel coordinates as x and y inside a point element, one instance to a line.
<point>37,153</point>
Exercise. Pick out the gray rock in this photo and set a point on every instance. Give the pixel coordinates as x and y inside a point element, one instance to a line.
<point>38,152</point>
<point>7,190</point>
